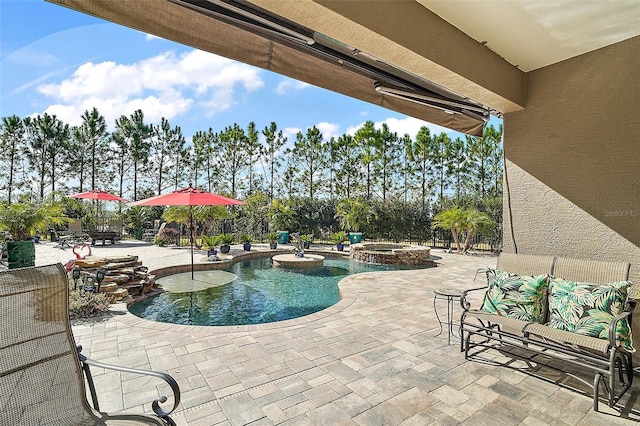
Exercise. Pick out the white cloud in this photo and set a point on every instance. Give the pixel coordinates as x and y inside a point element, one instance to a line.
<point>290,133</point>
<point>402,126</point>
<point>329,130</point>
<point>289,85</point>
<point>165,85</point>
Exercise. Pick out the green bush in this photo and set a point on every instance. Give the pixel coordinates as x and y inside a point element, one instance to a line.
<point>86,304</point>
<point>165,237</point>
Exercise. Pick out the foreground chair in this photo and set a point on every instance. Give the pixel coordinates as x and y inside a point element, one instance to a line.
<point>42,373</point>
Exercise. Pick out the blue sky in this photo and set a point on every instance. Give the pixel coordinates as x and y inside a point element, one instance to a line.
<point>62,62</point>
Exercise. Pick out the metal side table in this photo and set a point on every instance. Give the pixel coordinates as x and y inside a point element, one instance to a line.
<point>450,295</point>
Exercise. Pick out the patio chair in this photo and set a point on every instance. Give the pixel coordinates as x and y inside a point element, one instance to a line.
<point>75,228</point>
<point>115,225</point>
<point>65,238</point>
<point>149,234</point>
<point>42,373</point>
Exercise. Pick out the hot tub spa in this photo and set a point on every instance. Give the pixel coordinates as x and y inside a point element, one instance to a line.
<point>391,254</point>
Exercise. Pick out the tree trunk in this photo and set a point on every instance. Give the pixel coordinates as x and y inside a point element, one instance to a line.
<point>456,240</point>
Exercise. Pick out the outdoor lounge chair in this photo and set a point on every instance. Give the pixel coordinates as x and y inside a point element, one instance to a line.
<point>115,225</point>
<point>42,373</point>
<point>79,235</point>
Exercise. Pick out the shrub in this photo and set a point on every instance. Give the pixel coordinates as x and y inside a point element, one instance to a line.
<point>166,236</point>
<point>84,304</point>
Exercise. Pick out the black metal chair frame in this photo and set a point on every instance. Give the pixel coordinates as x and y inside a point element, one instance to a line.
<point>43,374</point>
<point>615,362</point>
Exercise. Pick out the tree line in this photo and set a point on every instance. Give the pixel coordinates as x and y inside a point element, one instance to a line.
<point>43,155</point>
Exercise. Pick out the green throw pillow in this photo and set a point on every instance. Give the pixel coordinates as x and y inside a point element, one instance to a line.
<point>588,309</point>
<point>515,296</point>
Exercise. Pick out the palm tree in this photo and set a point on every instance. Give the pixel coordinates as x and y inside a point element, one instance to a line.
<point>453,220</point>
<point>282,215</point>
<point>474,221</point>
<point>353,214</point>
<point>202,214</point>
<point>23,219</point>
<point>458,220</point>
<point>136,218</point>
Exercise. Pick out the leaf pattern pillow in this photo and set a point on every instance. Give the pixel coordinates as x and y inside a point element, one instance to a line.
<point>515,296</point>
<point>588,309</point>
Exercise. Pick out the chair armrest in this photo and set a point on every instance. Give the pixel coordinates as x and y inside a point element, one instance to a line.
<point>86,362</point>
<point>466,305</point>
<point>614,325</point>
<point>480,270</point>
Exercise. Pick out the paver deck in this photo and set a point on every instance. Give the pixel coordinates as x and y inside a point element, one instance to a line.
<point>371,359</point>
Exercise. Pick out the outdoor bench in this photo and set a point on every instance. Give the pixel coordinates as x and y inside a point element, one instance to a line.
<point>557,309</point>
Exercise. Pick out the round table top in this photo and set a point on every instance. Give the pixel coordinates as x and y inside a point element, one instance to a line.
<point>449,292</point>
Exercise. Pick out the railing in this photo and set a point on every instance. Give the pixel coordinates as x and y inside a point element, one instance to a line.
<point>439,238</point>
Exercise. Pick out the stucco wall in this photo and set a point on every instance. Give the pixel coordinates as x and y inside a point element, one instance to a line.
<point>573,161</point>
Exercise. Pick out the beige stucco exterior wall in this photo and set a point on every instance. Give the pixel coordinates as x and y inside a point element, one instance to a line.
<point>572,164</point>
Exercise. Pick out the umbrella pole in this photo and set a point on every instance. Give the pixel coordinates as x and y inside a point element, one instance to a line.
<point>191,236</point>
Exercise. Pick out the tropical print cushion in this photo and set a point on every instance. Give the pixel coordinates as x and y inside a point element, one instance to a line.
<point>588,309</point>
<point>515,296</point>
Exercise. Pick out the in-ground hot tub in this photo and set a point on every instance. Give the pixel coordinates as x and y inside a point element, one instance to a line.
<point>391,254</point>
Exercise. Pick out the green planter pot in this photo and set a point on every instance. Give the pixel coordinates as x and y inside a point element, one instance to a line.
<point>21,254</point>
<point>355,237</point>
<point>283,237</point>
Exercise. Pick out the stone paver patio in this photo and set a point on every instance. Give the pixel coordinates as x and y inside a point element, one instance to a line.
<point>371,359</point>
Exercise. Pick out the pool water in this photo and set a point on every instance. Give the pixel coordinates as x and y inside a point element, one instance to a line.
<point>259,294</point>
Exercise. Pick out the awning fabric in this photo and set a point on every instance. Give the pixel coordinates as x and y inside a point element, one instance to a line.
<point>178,21</point>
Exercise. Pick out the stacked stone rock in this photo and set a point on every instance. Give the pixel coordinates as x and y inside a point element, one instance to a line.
<point>126,279</point>
<point>392,254</point>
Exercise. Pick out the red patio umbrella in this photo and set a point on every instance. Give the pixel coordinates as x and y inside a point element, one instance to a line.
<point>188,197</point>
<point>99,196</point>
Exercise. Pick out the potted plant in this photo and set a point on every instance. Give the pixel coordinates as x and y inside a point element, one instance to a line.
<point>136,217</point>
<point>352,215</point>
<point>307,239</point>
<point>225,240</point>
<point>338,239</point>
<point>246,240</point>
<point>22,220</point>
<point>282,218</point>
<point>272,237</point>
<point>209,243</point>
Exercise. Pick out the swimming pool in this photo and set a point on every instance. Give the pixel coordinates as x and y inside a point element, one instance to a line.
<point>252,292</point>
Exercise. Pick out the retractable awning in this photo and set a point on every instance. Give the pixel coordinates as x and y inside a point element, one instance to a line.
<point>242,32</point>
